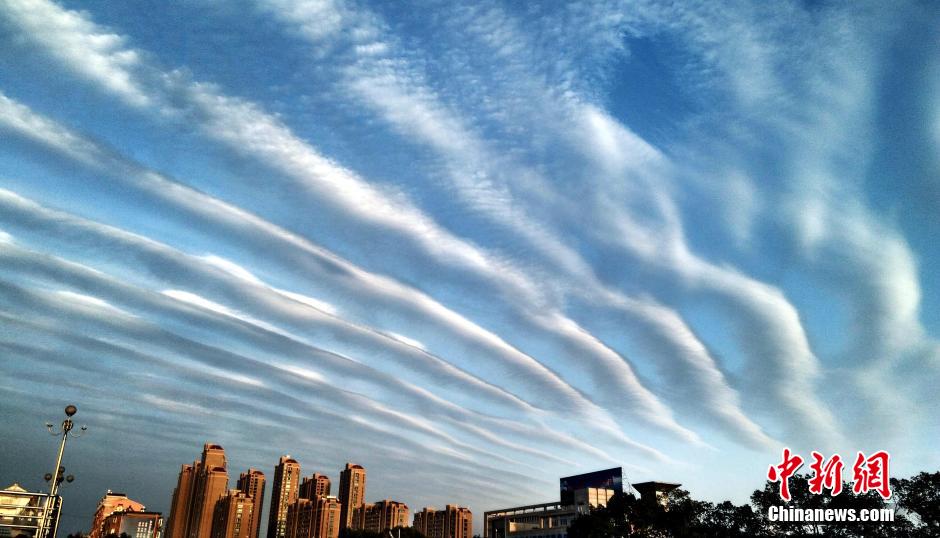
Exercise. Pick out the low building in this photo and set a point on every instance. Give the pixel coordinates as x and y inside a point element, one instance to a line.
<point>578,494</point>
<point>110,503</point>
<point>545,520</point>
<point>134,524</point>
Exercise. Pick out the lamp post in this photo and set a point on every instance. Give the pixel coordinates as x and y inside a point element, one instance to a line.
<point>56,477</point>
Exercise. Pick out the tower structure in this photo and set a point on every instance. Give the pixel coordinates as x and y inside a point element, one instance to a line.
<point>234,514</point>
<point>352,492</point>
<point>199,487</point>
<point>285,490</point>
<point>252,482</point>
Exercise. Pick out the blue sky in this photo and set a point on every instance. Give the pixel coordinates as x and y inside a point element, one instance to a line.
<point>473,247</point>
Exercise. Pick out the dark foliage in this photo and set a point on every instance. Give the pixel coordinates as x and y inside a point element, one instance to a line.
<point>916,500</point>
<point>919,496</point>
<point>403,532</point>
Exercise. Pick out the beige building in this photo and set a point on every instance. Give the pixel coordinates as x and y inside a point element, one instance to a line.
<point>251,482</point>
<point>199,487</point>
<point>234,515</point>
<point>381,516</point>
<point>284,492</point>
<point>109,504</point>
<point>315,485</point>
<point>451,522</point>
<point>352,492</point>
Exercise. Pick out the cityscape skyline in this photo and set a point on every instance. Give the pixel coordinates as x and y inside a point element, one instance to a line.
<point>471,245</point>
<point>203,506</point>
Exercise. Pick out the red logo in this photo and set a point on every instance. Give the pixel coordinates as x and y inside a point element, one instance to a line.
<point>828,476</point>
<point>868,474</point>
<point>872,474</point>
<point>782,472</point>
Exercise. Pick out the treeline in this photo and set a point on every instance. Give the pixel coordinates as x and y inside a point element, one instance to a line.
<point>915,503</point>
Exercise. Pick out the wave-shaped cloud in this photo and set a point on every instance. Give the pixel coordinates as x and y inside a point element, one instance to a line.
<point>507,242</point>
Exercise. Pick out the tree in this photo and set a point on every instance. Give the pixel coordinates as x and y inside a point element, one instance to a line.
<point>920,496</point>
<point>682,516</point>
<point>404,532</point>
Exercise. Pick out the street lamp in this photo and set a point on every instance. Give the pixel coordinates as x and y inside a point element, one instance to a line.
<point>58,475</point>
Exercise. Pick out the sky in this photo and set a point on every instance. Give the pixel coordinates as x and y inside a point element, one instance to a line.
<point>473,247</point>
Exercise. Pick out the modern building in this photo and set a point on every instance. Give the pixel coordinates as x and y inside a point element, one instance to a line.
<point>546,520</point>
<point>352,492</point>
<point>286,487</point>
<point>578,495</point>
<point>381,516</point>
<point>199,487</point>
<point>251,482</point>
<point>136,524</point>
<point>315,485</point>
<point>570,486</point>
<point>110,503</point>
<point>451,522</point>
<point>234,515</point>
<point>23,513</point>
<point>314,518</point>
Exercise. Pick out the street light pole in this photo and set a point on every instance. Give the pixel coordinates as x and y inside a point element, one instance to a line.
<point>56,477</point>
<point>67,426</point>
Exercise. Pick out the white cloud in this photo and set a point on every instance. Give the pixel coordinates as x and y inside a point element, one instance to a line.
<point>310,301</point>
<point>231,268</point>
<point>76,41</point>
<point>80,299</point>
<point>410,341</point>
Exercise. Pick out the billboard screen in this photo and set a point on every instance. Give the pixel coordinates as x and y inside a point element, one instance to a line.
<point>607,479</point>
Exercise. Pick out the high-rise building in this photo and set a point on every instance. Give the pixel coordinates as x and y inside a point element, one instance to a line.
<point>381,516</point>
<point>316,485</point>
<point>182,502</point>
<point>452,522</point>
<point>136,524</point>
<point>352,492</point>
<point>251,482</point>
<point>234,515</point>
<point>286,487</point>
<point>314,518</point>
<point>211,485</point>
<point>199,488</point>
<point>328,517</point>
<point>299,513</point>
<point>109,504</point>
